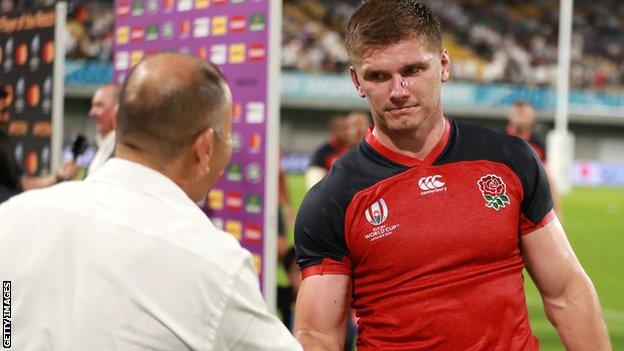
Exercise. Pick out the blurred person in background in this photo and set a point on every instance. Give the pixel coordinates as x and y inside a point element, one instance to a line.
<point>425,227</point>
<point>521,122</point>
<point>12,179</point>
<point>126,259</point>
<point>345,131</point>
<point>103,110</point>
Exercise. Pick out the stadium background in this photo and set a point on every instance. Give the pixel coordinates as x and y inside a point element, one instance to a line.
<point>501,52</point>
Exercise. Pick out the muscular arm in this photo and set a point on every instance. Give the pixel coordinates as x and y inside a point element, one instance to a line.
<point>569,297</point>
<point>321,312</point>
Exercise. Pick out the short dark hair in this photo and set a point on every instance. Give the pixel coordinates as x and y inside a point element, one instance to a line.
<point>168,117</point>
<point>3,92</point>
<point>379,23</point>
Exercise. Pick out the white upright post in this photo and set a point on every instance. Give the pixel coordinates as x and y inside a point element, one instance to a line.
<point>272,155</point>
<point>560,142</point>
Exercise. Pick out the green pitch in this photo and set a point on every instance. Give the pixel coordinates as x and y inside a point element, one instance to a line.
<point>594,222</point>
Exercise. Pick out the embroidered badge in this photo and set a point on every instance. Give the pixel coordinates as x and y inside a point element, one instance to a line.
<point>494,191</point>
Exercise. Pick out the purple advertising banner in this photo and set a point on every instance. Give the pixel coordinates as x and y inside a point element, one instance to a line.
<point>234,35</point>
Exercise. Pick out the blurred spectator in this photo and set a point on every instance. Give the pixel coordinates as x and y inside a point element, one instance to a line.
<point>104,106</point>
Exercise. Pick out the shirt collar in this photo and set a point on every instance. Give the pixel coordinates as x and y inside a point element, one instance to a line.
<point>104,139</point>
<point>405,159</point>
<point>141,179</point>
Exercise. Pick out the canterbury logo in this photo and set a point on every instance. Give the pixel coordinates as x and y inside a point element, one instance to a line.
<point>431,182</point>
<point>377,213</point>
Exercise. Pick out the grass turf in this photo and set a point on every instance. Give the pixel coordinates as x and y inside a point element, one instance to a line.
<point>594,222</point>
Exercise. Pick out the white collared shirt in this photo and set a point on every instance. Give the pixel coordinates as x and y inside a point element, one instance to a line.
<point>106,147</point>
<point>126,261</point>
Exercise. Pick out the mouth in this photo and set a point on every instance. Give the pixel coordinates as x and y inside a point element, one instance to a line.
<point>402,110</point>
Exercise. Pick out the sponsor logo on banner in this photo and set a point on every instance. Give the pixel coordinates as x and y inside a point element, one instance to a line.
<point>218,54</point>
<point>494,191</point>
<point>217,222</point>
<point>151,33</point>
<point>18,128</point>
<point>8,54</point>
<point>235,228</point>
<point>237,112</point>
<point>202,4</point>
<point>34,95</point>
<point>201,27</point>
<point>202,52</point>
<point>135,57</point>
<point>185,50</point>
<point>253,204</point>
<point>123,34</point>
<point>122,60</point>
<point>48,52</point>
<point>21,54</point>
<point>167,30</point>
<point>255,143</point>
<point>31,162</point>
<point>137,7</point>
<point>238,23</point>
<point>35,46</point>
<point>255,112</point>
<point>219,25</point>
<point>431,184</point>
<point>185,29</point>
<point>42,129</point>
<point>46,105</point>
<point>168,5</point>
<point>215,199</point>
<point>137,33</point>
<point>253,233</point>
<point>237,53</point>
<point>152,6</point>
<point>219,2</point>
<point>237,1</point>
<point>234,172</point>
<point>257,263</point>
<point>257,22</point>
<point>254,173</point>
<point>234,201</point>
<point>237,142</point>
<point>257,52</point>
<point>20,90</point>
<point>185,5</point>
<point>123,9</point>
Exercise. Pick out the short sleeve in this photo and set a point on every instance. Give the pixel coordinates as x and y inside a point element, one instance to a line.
<point>319,233</point>
<point>537,200</point>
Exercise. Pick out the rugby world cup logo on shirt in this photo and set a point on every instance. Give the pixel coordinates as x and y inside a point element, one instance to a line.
<point>377,213</point>
<point>494,191</point>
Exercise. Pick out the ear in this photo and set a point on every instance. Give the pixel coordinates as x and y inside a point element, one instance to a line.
<point>445,61</point>
<point>356,82</point>
<point>202,149</point>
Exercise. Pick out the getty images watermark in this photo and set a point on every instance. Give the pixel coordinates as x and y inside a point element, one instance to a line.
<point>6,314</point>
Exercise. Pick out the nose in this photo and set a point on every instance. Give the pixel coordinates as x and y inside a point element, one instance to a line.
<point>399,93</point>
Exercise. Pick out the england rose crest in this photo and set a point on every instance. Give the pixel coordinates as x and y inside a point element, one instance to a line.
<point>494,191</point>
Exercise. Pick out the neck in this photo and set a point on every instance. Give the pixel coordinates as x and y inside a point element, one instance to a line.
<point>416,143</point>
<point>172,169</point>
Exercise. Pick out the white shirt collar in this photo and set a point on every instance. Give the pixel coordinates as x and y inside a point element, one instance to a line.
<point>142,179</point>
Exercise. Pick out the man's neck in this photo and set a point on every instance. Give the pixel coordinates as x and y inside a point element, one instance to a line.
<point>417,143</point>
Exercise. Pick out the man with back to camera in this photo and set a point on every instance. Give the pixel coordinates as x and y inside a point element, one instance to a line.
<point>425,227</point>
<point>125,260</point>
<point>103,110</point>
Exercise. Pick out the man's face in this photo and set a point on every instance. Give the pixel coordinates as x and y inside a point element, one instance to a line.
<point>104,110</point>
<point>402,83</point>
<point>343,131</point>
<point>522,117</point>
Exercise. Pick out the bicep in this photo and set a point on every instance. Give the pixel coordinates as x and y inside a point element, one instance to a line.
<point>549,258</point>
<point>321,311</point>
